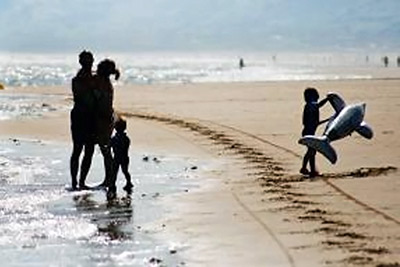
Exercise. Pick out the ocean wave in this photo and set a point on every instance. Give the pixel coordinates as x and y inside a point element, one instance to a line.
<point>150,68</point>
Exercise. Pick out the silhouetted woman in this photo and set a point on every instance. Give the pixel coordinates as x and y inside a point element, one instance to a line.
<point>104,117</point>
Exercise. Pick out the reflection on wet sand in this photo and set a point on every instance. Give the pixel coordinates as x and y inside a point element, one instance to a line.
<point>113,218</point>
<point>45,224</point>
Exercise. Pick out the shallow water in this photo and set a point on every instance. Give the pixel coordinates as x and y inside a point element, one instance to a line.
<point>15,106</point>
<point>43,224</point>
<point>180,67</point>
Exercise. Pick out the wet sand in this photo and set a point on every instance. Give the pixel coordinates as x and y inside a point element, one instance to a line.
<point>252,208</point>
<point>44,224</point>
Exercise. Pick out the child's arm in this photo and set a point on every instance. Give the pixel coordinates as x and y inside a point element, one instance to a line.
<point>323,102</point>
<point>320,104</point>
<point>323,121</point>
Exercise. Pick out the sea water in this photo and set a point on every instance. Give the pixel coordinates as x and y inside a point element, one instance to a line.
<point>18,106</point>
<point>179,67</point>
<point>43,224</point>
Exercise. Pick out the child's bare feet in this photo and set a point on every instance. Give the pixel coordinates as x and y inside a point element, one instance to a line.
<point>314,174</point>
<point>304,171</point>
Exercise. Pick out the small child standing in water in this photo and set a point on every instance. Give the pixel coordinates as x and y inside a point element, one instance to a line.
<point>310,124</point>
<point>120,145</point>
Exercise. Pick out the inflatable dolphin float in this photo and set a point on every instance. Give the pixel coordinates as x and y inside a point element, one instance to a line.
<point>345,121</point>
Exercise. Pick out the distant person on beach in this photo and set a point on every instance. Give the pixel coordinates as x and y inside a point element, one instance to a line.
<point>241,63</point>
<point>385,61</point>
<point>398,61</point>
<point>82,119</point>
<point>104,117</point>
<point>120,143</point>
<point>310,124</point>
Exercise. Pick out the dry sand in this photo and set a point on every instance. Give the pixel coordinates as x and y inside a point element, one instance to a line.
<point>253,208</point>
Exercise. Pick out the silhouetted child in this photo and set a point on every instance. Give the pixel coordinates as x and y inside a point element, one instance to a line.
<point>310,124</point>
<point>120,145</point>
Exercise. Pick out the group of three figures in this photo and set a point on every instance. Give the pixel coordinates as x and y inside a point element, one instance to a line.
<point>93,121</point>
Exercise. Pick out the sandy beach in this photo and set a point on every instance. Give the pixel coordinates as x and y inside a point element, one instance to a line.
<point>250,205</point>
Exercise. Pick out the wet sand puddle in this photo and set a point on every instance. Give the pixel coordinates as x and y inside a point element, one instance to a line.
<point>43,224</point>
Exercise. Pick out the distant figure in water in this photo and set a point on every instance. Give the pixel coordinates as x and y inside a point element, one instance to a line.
<point>310,124</point>
<point>398,61</point>
<point>385,61</point>
<point>120,143</point>
<point>104,117</point>
<point>82,119</point>
<point>241,63</point>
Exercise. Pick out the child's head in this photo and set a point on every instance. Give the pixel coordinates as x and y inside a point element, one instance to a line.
<point>86,59</point>
<point>120,125</point>
<point>311,94</point>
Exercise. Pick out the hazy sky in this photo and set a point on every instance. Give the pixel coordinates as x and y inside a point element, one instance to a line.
<point>135,25</point>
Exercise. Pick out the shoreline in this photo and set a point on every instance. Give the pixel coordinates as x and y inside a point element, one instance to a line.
<point>28,88</point>
<point>315,223</point>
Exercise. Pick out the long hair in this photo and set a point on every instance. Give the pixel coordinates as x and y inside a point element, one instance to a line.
<point>106,67</point>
